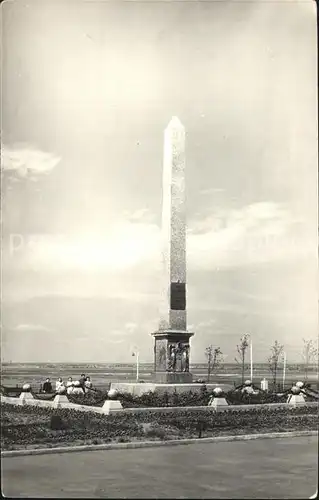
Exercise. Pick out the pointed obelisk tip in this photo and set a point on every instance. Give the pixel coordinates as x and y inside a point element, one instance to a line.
<point>175,123</point>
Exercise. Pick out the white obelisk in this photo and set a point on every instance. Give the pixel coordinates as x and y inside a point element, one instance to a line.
<point>173,225</point>
<point>172,335</point>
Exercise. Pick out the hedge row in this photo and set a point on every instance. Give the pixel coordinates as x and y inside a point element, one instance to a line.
<point>27,414</point>
<point>40,425</point>
<point>90,399</point>
<point>200,398</point>
<point>70,425</point>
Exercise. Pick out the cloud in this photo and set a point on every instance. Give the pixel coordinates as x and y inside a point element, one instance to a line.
<point>255,233</point>
<point>140,215</point>
<point>27,161</point>
<point>205,324</point>
<point>248,216</point>
<point>116,333</point>
<point>258,232</point>
<point>126,246</point>
<point>23,327</point>
<point>212,190</point>
<point>130,327</point>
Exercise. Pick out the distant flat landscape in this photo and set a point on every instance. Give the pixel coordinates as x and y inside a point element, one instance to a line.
<point>103,374</point>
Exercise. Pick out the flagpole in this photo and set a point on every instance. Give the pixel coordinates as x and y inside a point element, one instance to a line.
<point>136,353</point>
<point>137,366</point>
<point>251,360</point>
<point>250,355</point>
<point>284,372</point>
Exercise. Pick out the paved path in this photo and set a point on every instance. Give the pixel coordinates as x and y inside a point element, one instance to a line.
<point>265,468</point>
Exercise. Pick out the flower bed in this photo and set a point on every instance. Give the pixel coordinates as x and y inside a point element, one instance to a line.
<point>24,426</point>
<point>175,399</point>
<point>238,398</point>
<point>201,398</point>
<point>156,400</point>
<point>94,398</point>
<point>36,426</point>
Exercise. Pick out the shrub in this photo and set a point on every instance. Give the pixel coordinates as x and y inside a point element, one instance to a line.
<point>92,398</point>
<point>156,432</point>
<point>156,400</point>
<point>123,439</point>
<point>239,398</point>
<point>196,398</point>
<point>56,423</point>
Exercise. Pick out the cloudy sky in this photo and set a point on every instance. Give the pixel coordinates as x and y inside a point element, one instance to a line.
<point>87,91</point>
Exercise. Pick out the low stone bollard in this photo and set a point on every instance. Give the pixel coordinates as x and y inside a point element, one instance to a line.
<point>25,397</point>
<point>218,399</point>
<point>295,397</point>
<point>60,400</point>
<point>111,405</point>
<point>218,402</point>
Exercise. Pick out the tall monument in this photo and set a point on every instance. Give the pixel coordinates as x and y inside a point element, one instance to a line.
<point>172,346</point>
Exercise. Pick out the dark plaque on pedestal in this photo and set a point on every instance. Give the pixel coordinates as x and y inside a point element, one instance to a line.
<point>178,296</point>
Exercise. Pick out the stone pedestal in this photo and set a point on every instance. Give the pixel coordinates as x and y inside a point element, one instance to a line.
<point>60,401</point>
<point>25,397</point>
<point>111,405</point>
<point>296,399</point>
<point>171,357</point>
<point>218,403</point>
<point>173,378</point>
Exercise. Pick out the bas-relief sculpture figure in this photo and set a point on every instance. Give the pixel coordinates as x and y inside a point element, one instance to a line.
<point>172,357</point>
<point>160,355</point>
<point>178,357</point>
